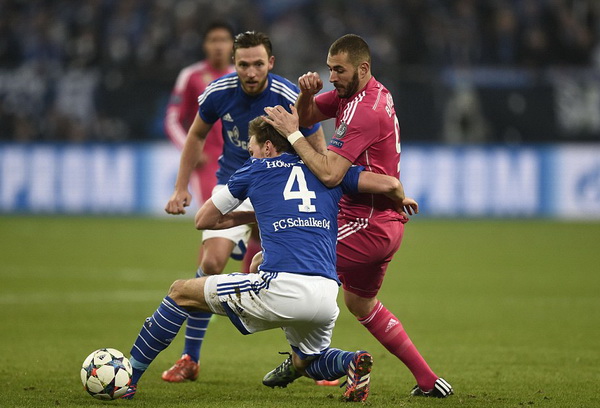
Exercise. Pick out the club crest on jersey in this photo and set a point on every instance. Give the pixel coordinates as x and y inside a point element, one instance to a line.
<point>340,132</point>
<point>234,138</point>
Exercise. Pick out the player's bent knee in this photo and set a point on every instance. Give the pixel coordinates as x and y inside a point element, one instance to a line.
<point>212,265</point>
<point>359,306</point>
<point>187,293</point>
<point>176,291</point>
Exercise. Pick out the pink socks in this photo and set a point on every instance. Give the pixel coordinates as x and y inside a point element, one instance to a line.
<point>389,331</point>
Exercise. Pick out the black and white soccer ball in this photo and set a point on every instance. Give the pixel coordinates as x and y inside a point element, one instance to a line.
<point>106,374</point>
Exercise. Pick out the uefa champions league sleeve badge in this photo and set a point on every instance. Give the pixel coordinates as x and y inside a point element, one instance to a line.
<point>340,132</point>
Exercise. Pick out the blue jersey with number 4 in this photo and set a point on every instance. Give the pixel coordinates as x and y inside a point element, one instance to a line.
<point>296,213</point>
<point>225,99</point>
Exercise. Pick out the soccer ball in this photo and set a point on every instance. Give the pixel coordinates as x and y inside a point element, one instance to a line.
<point>106,374</point>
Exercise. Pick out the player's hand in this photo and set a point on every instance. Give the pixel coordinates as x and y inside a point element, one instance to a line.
<point>178,201</point>
<point>310,83</point>
<point>408,206</point>
<point>284,122</point>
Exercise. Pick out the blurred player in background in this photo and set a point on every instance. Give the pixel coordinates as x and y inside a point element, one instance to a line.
<point>296,286</point>
<point>183,106</point>
<point>234,99</point>
<point>370,229</point>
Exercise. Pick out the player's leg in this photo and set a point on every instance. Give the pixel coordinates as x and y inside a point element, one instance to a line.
<point>363,258</point>
<point>216,250</point>
<point>309,334</point>
<point>388,330</point>
<point>308,340</point>
<point>329,366</point>
<point>335,363</point>
<point>215,253</point>
<point>313,357</point>
<point>217,247</point>
<point>158,330</point>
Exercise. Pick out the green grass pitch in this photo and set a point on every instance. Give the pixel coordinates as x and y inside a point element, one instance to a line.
<point>508,311</point>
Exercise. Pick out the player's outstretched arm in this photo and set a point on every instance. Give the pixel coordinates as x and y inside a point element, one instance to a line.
<point>329,167</point>
<point>209,217</point>
<point>191,156</point>
<point>373,183</point>
<point>310,84</point>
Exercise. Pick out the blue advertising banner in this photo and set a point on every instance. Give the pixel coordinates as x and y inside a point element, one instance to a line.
<point>467,181</point>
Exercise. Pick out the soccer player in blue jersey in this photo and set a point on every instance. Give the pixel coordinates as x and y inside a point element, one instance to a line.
<point>296,285</point>
<point>236,99</point>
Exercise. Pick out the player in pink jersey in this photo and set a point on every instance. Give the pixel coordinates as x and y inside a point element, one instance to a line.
<point>370,227</point>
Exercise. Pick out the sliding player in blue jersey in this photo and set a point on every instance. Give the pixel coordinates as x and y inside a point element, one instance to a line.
<point>296,285</point>
<point>235,99</point>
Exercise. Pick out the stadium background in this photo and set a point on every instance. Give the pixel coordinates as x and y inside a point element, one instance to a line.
<point>495,98</point>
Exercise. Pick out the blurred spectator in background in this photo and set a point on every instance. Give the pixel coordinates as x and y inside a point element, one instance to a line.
<point>574,26</point>
<point>116,58</point>
<point>501,36</point>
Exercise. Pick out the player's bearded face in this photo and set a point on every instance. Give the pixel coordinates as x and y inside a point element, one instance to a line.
<point>346,90</point>
<point>343,76</point>
<point>252,66</point>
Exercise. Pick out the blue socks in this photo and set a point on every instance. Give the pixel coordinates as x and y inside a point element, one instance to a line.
<point>197,323</point>
<point>330,365</point>
<point>156,334</point>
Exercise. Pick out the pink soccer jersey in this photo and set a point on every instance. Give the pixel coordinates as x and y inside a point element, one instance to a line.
<point>368,134</point>
<point>181,112</point>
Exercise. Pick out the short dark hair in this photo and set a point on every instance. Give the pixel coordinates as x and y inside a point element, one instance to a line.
<point>218,25</point>
<point>354,46</point>
<point>249,39</point>
<point>263,131</point>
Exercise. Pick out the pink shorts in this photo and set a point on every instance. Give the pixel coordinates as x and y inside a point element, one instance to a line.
<point>365,247</point>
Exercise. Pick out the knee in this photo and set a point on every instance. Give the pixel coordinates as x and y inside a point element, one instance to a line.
<point>189,294</point>
<point>359,306</point>
<point>177,291</point>
<point>212,265</point>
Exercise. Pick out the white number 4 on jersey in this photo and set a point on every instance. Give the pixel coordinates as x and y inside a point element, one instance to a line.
<point>303,193</point>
